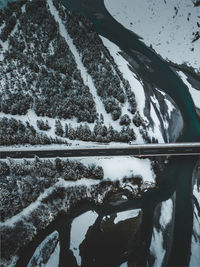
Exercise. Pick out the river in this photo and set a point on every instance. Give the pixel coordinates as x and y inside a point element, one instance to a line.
<point>176,176</point>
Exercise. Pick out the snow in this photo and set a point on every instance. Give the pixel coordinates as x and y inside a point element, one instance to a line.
<point>37,256</point>
<point>157,105</point>
<point>135,84</point>
<point>156,22</point>
<point>54,259</point>
<point>196,193</point>
<point>125,264</point>
<point>156,131</point>
<point>166,213</point>
<point>4,48</point>
<point>118,167</point>
<point>155,101</point>
<point>170,107</point>
<point>157,247</point>
<point>169,104</point>
<point>195,245</point>
<point>124,215</point>
<point>80,226</point>
<point>195,94</point>
<point>74,144</point>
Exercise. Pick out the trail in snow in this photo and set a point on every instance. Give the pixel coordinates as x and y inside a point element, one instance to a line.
<point>27,211</point>
<point>85,76</point>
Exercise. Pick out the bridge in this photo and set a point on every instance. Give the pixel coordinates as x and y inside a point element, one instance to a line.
<point>144,150</point>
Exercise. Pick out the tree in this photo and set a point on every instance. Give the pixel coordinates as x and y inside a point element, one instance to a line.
<point>125,120</point>
<point>71,133</point>
<point>59,165</point>
<point>4,169</point>
<point>44,126</point>
<point>87,135</point>
<point>58,128</point>
<point>66,130</point>
<point>137,120</point>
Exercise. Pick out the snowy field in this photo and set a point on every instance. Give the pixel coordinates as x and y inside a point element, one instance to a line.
<point>166,25</point>
<point>79,230</point>
<point>118,167</point>
<point>195,94</point>
<point>157,242</point>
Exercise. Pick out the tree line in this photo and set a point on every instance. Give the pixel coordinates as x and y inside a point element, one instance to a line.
<point>22,182</point>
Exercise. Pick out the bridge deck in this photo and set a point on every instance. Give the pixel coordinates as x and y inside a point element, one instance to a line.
<point>144,150</point>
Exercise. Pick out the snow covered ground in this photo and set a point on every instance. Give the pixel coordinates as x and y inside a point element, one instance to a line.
<point>157,241</point>
<point>195,94</point>
<point>122,64</point>
<point>41,252</point>
<point>195,246</point>
<point>124,215</point>
<point>166,25</point>
<point>118,167</point>
<point>79,230</point>
<point>138,89</point>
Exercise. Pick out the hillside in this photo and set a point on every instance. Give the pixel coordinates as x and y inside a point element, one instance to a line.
<point>62,82</point>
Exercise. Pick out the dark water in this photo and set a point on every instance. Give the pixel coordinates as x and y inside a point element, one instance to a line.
<point>176,176</point>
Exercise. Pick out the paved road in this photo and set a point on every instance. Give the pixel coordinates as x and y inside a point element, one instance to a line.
<point>132,150</point>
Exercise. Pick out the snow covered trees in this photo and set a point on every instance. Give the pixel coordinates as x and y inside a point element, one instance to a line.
<point>100,133</point>
<point>38,70</point>
<point>44,126</point>
<point>14,132</point>
<point>111,106</point>
<point>125,120</point>
<point>58,128</point>
<point>10,23</point>
<point>31,178</point>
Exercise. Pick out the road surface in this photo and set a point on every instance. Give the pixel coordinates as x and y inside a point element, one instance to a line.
<point>146,150</point>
